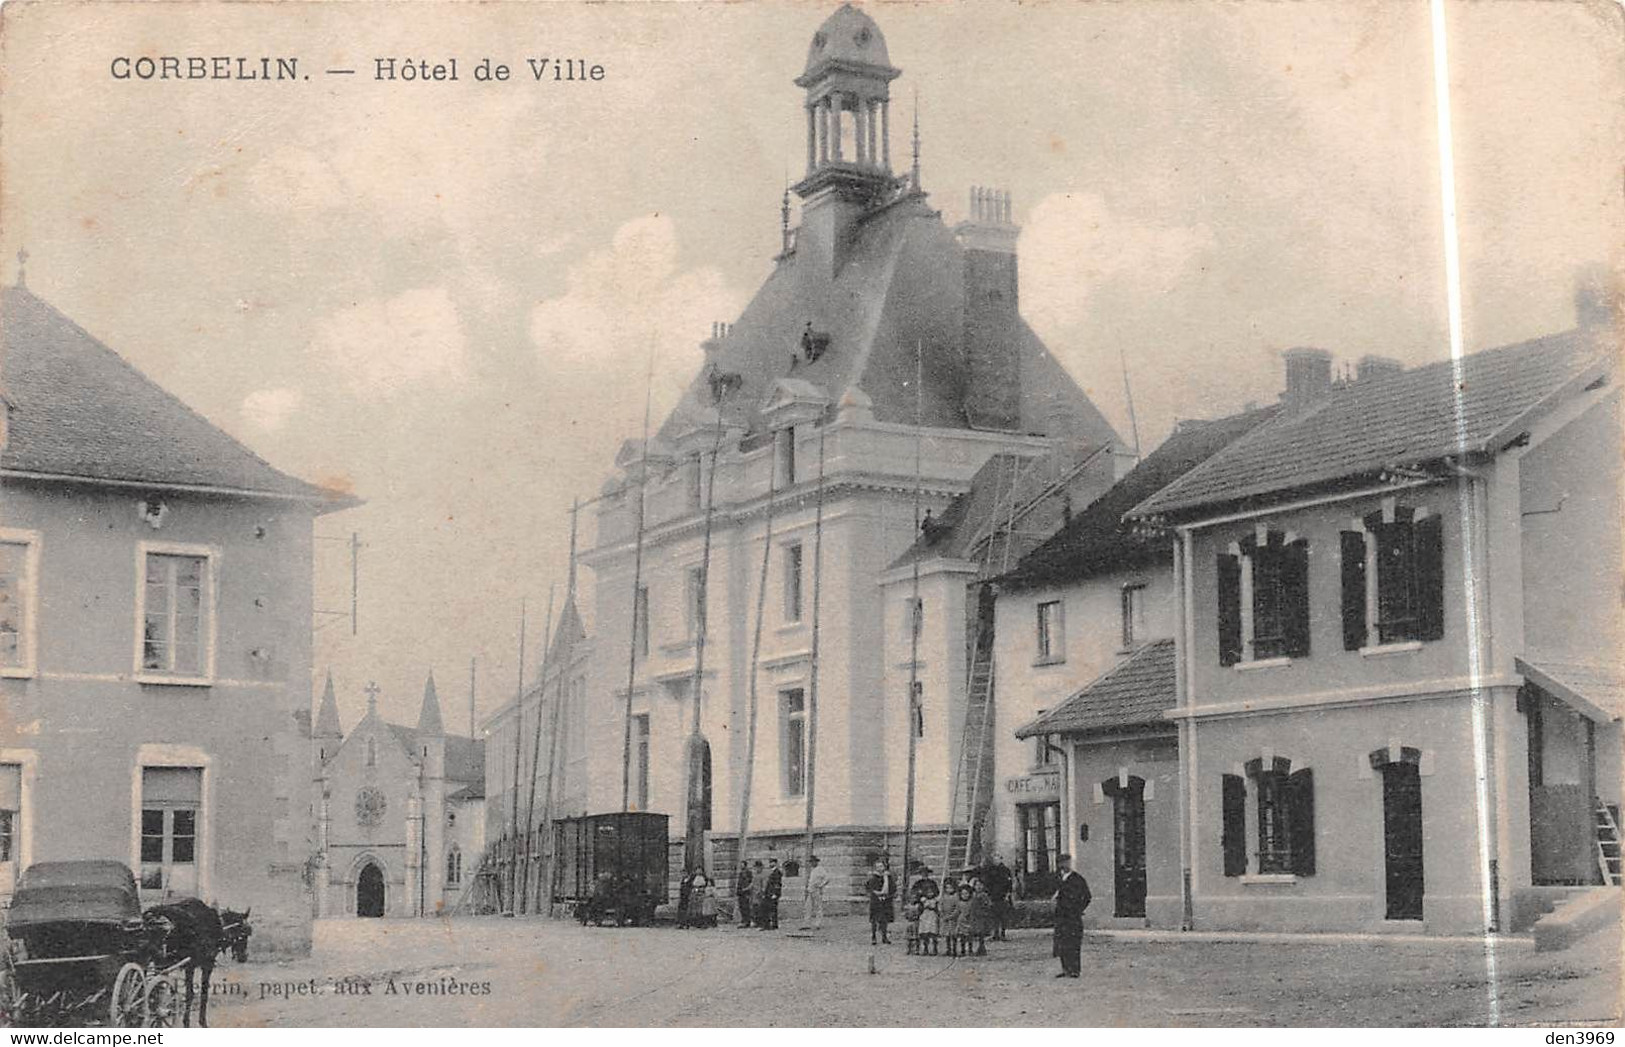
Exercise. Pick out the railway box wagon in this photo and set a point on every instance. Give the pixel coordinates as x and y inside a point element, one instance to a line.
<point>612,866</point>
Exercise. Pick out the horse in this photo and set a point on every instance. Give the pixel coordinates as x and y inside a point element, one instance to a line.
<point>192,933</point>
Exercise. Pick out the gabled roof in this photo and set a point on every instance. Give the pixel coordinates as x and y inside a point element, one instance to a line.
<point>1134,693</point>
<point>1396,421</point>
<point>899,291</point>
<point>1099,538</point>
<point>83,413</point>
<point>465,757</point>
<point>1036,490</point>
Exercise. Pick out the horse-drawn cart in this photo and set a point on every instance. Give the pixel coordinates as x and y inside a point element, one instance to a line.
<point>77,949</point>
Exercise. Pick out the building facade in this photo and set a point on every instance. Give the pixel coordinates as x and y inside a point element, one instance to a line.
<point>881,365</point>
<point>155,622</point>
<point>401,814</point>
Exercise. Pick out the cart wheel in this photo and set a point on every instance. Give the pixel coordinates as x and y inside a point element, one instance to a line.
<point>129,992</point>
<point>158,1009</point>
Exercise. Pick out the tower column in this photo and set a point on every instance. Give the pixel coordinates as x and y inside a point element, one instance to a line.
<point>874,130</point>
<point>885,134</point>
<point>860,130</point>
<point>835,127</point>
<point>822,109</point>
<point>812,139</point>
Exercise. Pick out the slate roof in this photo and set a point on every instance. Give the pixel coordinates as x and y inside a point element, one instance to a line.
<point>465,757</point>
<point>1134,693</point>
<point>900,290</point>
<point>1099,538</point>
<point>1395,421</point>
<point>81,411</point>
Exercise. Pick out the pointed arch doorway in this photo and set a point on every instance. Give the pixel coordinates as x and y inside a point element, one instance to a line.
<point>369,891</point>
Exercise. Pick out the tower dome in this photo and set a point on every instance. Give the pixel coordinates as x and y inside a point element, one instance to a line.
<point>847,37</point>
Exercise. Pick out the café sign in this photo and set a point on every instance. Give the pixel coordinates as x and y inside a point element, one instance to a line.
<point>1026,787</point>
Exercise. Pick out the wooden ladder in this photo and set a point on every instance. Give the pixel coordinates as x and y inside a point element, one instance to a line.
<point>1608,841</point>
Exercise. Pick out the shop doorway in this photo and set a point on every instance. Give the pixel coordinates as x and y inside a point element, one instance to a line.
<point>1128,845</point>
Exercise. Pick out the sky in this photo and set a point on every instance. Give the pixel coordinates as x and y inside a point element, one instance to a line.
<point>446,297</point>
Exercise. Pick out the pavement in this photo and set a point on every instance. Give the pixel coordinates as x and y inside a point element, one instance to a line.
<point>490,971</point>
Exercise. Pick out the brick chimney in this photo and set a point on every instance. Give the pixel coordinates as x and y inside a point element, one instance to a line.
<point>1374,366</point>
<point>991,320</point>
<point>1308,376</point>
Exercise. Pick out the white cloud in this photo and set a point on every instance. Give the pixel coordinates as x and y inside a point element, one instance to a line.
<point>382,346</point>
<point>620,304</point>
<point>268,409</point>
<point>1073,243</point>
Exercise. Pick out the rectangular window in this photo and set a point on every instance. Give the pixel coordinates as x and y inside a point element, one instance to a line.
<point>1133,615</point>
<point>1285,827</point>
<point>640,621</point>
<point>693,601</point>
<point>1273,621</point>
<point>792,582</point>
<point>8,824</point>
<point>1274,824</point>
<point>1040,826</point>
<point>640,781</point>
<point>18,565</point>
<point>1043,755</point>
<point>1051,633</point>
<point>170,800</point>
<point>176,609</point>
<point>11,802</point>
<point>794,702</point>
<point>784,452</point>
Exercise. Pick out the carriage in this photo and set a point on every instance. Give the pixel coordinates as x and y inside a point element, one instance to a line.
<point>77,949</point>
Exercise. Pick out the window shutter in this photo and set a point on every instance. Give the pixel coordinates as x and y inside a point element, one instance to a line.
<point>1229,609</point>
<point>1354,624</point>
<point>1301,812</point>
<point>1428,534</point>
<point>1233,826</point>
<point>1295,597</point>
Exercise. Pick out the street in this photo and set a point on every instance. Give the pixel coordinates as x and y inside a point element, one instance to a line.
<point>495,972</point>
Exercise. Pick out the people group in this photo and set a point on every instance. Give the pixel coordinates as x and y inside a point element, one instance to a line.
<point>955,916</point>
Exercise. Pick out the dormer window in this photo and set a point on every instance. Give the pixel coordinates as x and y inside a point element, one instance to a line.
<point>1393,578</point>
<point>813,344</point>
<point>1263,597</point>
<point>784,456</point>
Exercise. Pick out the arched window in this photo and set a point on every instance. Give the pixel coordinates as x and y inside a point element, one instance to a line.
<point>454,865</point>
<point>372,753</point>
<point>1284,821</point>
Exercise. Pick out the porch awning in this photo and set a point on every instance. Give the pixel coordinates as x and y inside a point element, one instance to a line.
<point>1134,693</point>
<point>1595,691</point>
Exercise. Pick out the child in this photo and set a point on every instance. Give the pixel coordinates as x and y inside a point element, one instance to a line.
<point>929,911</point>
<point>911,923</point>
<point>979,917</point>
<point>948,914</point>
<point>962,920</point>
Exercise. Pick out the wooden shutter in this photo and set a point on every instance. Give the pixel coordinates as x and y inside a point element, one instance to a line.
<point>1354,624</point>
<point>1428,534</point>
<point>1233,826</point>
<point>1295,598</point>
<point>1301,821</point>
<point>1229,609</point>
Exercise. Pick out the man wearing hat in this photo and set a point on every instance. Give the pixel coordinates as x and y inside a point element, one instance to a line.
<point>1071,899</point>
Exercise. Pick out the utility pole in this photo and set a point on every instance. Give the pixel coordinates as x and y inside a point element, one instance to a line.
<point>355,580</point>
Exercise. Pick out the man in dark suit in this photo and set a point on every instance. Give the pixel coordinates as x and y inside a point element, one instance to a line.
<point>770,896</point>
<point>742,893</point>
<point>1071,899</point>
<point>998,881</point>
<point>882,890</point>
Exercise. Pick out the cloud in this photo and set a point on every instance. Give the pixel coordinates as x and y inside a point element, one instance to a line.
<point>621,304</point>
<point>1074,244</point>
<point>268,409</point>
<point>383,346</point>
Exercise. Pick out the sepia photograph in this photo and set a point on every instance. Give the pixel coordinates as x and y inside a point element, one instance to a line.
<point>797,514</point>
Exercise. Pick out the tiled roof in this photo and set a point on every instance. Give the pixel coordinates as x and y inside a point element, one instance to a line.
<point>81,411</point>
<point>1134,693</point>
<point>899,291</point>
<point>1399,420</point>
<point>1099,538</point>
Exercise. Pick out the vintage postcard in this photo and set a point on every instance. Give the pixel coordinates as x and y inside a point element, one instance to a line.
<point>810,513</point>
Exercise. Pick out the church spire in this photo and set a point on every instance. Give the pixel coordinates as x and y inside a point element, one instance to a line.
<point>327,716</point>
<point>429,722</point>
<point>914,168</point>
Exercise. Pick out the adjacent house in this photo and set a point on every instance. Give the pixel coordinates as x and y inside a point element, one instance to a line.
<point>155,623</point>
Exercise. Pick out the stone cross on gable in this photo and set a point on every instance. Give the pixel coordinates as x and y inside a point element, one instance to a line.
<point>371,691</point>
